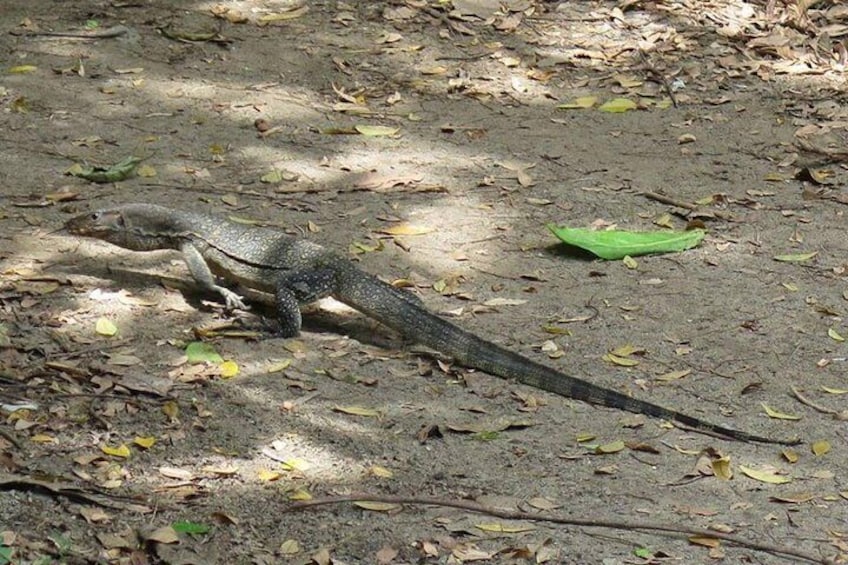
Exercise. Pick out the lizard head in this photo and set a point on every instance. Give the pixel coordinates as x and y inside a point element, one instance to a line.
<point>140,227</point>
<point>99,224</point>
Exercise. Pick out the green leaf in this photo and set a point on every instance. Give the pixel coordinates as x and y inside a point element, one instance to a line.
<point>778,415</point>
<point>376,131</point>
<point>643,552</point>
<point>273,177</point>
<point>612,447</point>
<point>579,103</point>
<point>185,527</point>
<point>796,257</point>
<point>22,69</point>
<point>620,361</point>
<point>617,106</point>
<point>199,352</point>
<point>630,262</point>
<point>5,555</point>
<point>114,173</point>
<point>764,476</point>
<point>62,542</point>
<point>616,244</point>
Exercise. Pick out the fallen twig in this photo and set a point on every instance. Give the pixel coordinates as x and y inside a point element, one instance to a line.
<point>88,495</point>
<point>668,200</point>
<point>777,550</point>
<point>693,208</point>
<point>657,76</point>
<point>10,437</point>
<point>838,414</point>
<point>109,32</point>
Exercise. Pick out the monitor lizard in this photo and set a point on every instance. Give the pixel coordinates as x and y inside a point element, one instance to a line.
<point>298,271</point>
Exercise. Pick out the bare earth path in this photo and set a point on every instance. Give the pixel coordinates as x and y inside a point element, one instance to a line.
<point>428,140</point>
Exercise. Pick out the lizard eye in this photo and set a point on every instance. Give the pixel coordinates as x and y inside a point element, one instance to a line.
<point>95,216</point>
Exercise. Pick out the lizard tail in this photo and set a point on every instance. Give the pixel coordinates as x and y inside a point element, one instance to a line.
<point>402,312</point>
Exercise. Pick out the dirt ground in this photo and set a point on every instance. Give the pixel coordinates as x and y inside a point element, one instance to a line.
<point>434,141</point>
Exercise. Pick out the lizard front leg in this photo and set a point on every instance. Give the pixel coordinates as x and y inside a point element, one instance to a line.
<point>199,269</point>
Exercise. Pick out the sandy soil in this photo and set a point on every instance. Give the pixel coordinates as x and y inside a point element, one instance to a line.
<point>116,449</point>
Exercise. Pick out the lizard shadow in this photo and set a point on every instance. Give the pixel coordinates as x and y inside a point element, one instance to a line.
<point>317,320</point>
<point>261,316</point>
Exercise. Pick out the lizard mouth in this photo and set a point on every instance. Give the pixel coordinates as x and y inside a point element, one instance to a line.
<point>75,227</point>
<point>86,224</point>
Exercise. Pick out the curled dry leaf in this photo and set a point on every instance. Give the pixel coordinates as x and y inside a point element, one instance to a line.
<point>165,534</point>
<point>765,476</point>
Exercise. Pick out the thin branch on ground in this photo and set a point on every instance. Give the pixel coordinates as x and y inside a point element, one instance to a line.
<point>654,74</point>
<point>10,437</point>
<point>83,495</point>
<point>668,200</point>
<point>777,550</point>
<point>838,414</point>
<point>685,205</point>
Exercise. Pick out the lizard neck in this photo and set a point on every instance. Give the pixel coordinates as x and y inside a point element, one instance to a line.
<point>147,227</point>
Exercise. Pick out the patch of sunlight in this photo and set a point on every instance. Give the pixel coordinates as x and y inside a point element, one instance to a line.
<point>462,227</point>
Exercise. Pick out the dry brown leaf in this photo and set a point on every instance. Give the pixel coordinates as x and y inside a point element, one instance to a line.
<point>165,534</point>
<point>379,182</point>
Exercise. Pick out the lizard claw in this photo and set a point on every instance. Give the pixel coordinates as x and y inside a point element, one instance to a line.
<point>232,299</point>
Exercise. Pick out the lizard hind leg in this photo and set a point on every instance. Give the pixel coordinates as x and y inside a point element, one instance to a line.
<point>288,312</point>
<point>297,288</point>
